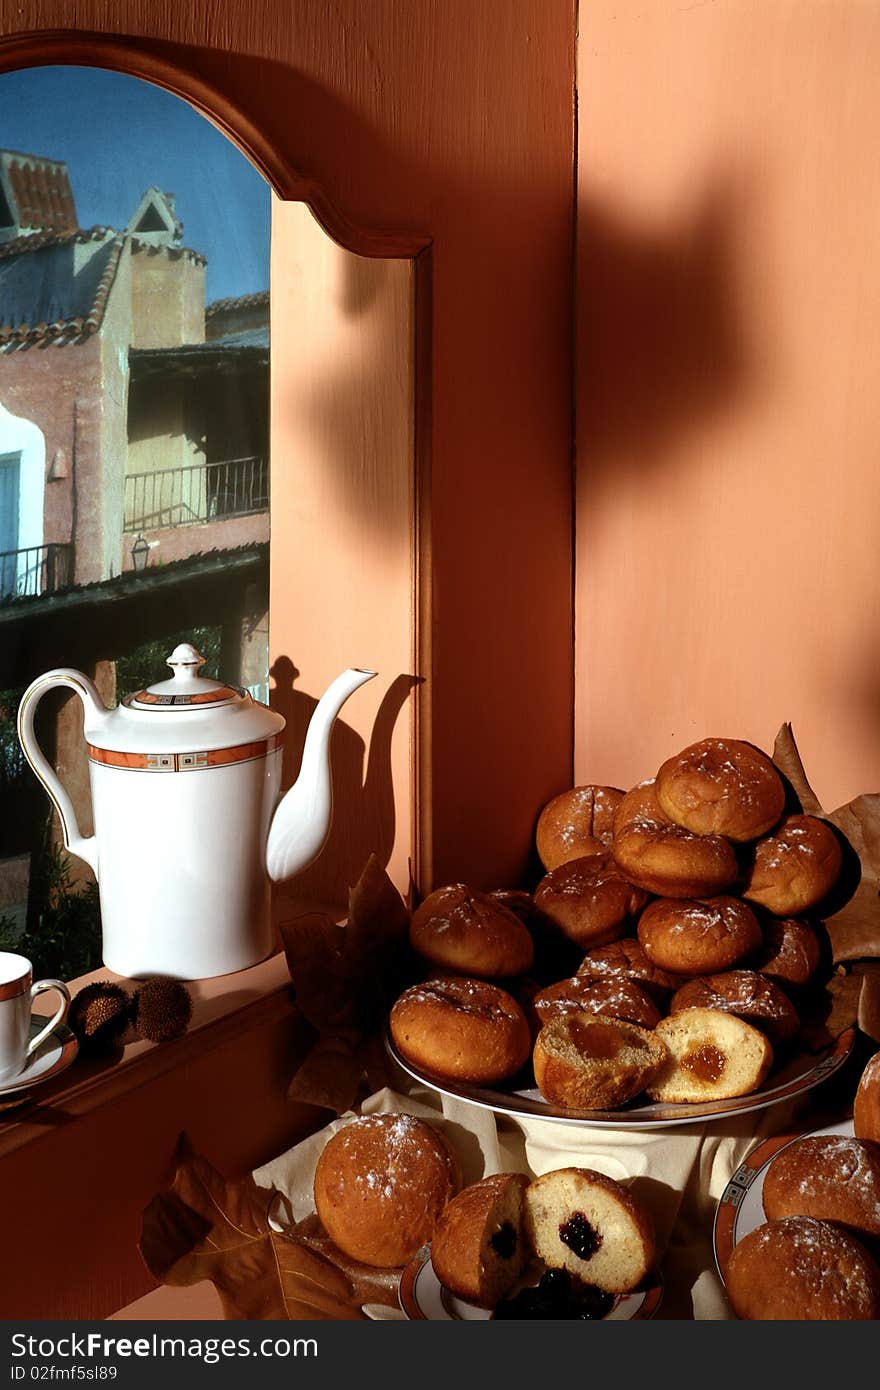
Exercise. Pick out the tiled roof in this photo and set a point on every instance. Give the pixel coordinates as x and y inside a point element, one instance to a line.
<point>243,338</point>
<point>35,241</point>
<point>249,348</point>
<point>244,301</point>
<point>54,288</point>
<point>209,567</point>
<point>41,195</point>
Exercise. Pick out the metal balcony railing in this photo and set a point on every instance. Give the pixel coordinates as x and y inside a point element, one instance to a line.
<point>167,497</point>
<point>38,569</point>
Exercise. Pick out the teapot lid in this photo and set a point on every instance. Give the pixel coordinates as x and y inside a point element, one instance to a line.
<point>187,688</point>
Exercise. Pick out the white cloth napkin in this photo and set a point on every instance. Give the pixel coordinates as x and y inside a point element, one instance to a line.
<point>680,1173</point>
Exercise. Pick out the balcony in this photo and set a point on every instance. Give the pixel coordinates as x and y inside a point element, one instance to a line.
<point>36,570</point>
<point>168,497</point>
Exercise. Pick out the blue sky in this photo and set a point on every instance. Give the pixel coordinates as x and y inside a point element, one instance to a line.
<point>119,136</point>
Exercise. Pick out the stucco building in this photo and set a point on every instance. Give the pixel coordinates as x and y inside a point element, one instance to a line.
<point>116,414</point>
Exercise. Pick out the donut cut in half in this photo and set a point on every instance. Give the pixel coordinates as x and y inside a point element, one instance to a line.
<point>711,1056</point>
<point>478,1250</point>
<point>583,1062</point>
<point>583,1221</point>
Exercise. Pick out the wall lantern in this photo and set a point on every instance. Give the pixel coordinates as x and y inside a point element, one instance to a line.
<point>139,554</point>
<point>59,467</point>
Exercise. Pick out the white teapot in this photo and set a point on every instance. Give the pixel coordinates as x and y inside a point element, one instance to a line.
<point>185,779</point>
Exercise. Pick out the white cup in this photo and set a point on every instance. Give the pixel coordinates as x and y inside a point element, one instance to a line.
<point>16,993</point>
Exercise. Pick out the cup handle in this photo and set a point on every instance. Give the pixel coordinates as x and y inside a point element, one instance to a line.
<point>59,1015</point>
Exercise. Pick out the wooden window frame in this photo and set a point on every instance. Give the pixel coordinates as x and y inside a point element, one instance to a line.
<point>254,1017</point>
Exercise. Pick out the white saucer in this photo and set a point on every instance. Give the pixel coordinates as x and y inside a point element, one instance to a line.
<point>54,1056</point>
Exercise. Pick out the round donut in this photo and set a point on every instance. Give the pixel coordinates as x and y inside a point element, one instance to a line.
<point>583,1221</point>
<point>698,936</point>
<point>794,868</point>
<point>588,1063</point>
<point>722,786</point>
<point>589,899</point>
<point>576,823</point>
<point>625,959</point>
<point>866,1108</point>
<point>792,952</point>
<point>664,858</point>
<point>712,1056</point>
<point>460,929</point>
<point>801,1269</point>
<point>610,997</point>
<point>478,1249</point>
<point>461,1029</point>
<point>523,906</point>
<point>555,955</point>
<point>830,1176</point>
<point>748,995</point>
<point>381,1183</point>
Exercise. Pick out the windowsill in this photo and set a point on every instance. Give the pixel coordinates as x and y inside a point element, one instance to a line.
<point>194,1303</point>
<point>90,1149</point>
<point>222,1007</point>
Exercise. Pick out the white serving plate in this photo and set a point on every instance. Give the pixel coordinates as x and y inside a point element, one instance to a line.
<point>525,1102</point>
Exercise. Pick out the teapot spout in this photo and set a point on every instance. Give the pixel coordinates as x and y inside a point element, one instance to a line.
<point>301,822</point>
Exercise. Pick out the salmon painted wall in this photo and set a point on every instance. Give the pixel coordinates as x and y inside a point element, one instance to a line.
<point>343,489</point>
<point>728,417</point>
<point>450,121</point>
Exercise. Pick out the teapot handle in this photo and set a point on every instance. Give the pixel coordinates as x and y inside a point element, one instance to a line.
<point>84,847</point>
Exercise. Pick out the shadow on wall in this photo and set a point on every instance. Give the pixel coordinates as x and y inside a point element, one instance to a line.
<point>660,343</point>
<point>368,825</point>
<point>489,182</point>
<point>323,137</point>
<point>352,401</point>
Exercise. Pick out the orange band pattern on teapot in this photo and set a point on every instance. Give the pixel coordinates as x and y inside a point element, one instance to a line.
<point>184,762</point>
<point>215,696</point>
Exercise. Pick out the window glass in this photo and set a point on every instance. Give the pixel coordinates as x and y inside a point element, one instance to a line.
<point>134,438</point>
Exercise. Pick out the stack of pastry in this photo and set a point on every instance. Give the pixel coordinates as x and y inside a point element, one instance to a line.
<point>692,904</point>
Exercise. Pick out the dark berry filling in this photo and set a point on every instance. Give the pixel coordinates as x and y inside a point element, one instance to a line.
<point>558,1296</point>
<point>504,1241</point>
<point>580,1236</point>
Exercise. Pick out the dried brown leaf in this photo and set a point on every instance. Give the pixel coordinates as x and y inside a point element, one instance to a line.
<point>345,974</point>
<point>208,1227</point>
<point>376,912</point>
<point>330,1075</point>
<point>314,947</point>
<point>788,760</point>
<point>853,915</point>
<point>869,1003</point>
<point>369,1284</point>
<point>833,1012</point>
